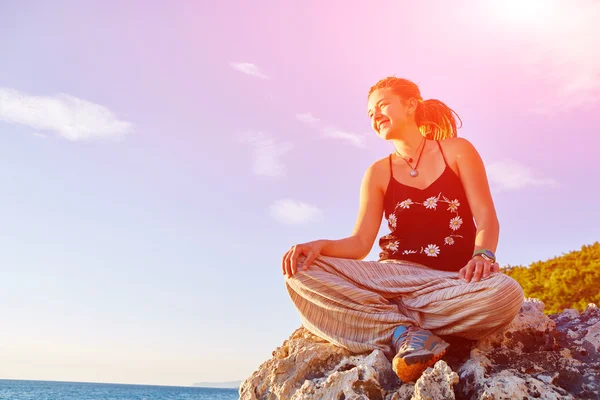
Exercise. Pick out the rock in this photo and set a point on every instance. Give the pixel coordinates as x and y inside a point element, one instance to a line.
<point>570,313</point>
<point>530,328</point>
<point>303,357</point>
<point>593,337</point>
<point>353,378</point>
<point>436,383</point>
<point>536,356</point>
<point>508,385</point>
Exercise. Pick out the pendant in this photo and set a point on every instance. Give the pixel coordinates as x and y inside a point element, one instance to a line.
<point>414,173</point>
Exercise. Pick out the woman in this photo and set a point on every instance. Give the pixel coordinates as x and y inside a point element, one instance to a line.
<point>437,272</point>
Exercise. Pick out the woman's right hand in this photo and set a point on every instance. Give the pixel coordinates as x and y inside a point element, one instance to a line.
<point>289,263</point>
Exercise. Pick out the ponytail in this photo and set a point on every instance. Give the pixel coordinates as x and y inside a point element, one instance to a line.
<point>436,120</point>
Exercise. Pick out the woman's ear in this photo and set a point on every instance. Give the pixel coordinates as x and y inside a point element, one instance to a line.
<point>412,104</point>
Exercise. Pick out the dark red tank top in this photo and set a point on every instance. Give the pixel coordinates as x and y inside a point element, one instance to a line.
<point>432,226</point>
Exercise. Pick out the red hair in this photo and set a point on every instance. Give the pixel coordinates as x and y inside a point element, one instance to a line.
<point>434,118</point>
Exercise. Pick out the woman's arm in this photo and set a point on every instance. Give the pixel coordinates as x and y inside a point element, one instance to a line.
<point>370,212</point>
<point>358,244</point>
<point>474,179</point>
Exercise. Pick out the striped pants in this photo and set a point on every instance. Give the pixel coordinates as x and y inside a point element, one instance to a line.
<point>358,304</point>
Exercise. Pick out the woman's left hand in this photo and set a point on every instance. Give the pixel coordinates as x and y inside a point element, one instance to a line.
<point>477,268</point>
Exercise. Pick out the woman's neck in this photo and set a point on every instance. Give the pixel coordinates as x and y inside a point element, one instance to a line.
<point>408,141</point>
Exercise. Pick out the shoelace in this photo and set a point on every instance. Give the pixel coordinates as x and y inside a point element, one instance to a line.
<point>414,339</point>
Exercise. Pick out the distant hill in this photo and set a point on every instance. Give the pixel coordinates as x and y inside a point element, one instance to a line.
<point>219,385</point>
<point>568,281</point>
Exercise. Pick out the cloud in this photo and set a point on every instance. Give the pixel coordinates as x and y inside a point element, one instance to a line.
<point>336,133</point>
<point>248,68</point>
<point>294,212</point>
<point>69,117</point>
<point>40,135</point>
<point>332,131</point>
<point>307,118</point>
<point>509,175</point>
<point>267,154</point>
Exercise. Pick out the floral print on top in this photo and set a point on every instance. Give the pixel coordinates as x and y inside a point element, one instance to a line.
<point>432,226</point>
<point>431,249</point>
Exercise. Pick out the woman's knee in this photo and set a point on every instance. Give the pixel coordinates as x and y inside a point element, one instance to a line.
<point>506,295</point>
<point>300,270</point>
<point>510,287</point>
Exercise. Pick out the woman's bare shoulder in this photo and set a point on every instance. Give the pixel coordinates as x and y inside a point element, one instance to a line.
<point>455,143</point>
<point>457,147</point>
<point>383,164</point>
<point>379,172</point>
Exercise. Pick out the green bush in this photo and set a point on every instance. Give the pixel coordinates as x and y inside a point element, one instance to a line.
<point>568,281</point>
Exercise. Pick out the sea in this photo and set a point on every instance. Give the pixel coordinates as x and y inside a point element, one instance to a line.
<point>49,390</point>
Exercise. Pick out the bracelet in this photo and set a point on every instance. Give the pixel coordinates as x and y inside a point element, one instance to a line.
<point>486,255</point>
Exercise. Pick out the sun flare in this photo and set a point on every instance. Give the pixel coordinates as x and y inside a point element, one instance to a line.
<point>522,11</point>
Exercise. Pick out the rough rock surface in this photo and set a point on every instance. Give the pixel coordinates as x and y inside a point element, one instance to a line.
<point>536,356</point>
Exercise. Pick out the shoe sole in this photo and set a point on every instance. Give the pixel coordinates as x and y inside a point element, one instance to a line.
<point>410,369</point>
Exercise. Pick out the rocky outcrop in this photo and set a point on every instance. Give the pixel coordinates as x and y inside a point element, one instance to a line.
<point>536,356</point>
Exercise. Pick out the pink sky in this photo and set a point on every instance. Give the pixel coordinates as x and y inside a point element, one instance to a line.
<point>158,160</point>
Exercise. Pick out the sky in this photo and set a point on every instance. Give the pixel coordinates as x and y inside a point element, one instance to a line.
<point>157,161</point>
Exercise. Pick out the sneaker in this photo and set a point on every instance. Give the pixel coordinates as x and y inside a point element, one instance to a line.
<point>417,349</point>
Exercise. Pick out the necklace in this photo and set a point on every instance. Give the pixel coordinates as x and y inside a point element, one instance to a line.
<point>413,170</point>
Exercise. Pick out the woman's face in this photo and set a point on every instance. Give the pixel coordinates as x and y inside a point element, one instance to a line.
<point>389,113</point>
